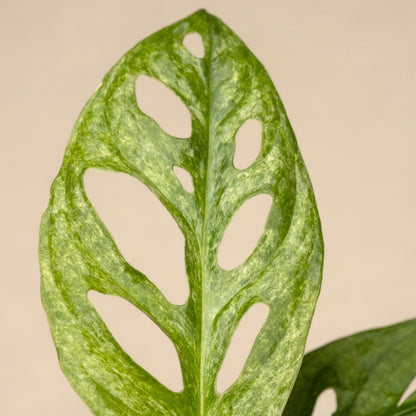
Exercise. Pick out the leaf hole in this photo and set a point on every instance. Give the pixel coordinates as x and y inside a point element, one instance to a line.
<point>193,42</point>
<point>184,177</point>
<point>161,104</point>
<point>247,144</point>
<point>326,404</point>
<point>146,234</point>
<point>411,388</point>
<point>140,338</point>
<point>243,232</point>
<point>241,345</point>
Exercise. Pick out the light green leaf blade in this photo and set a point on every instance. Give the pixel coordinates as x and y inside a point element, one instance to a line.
<point>77,253</point>
<point>369,372</point>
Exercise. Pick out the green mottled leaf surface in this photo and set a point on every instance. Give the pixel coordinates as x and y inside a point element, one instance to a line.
<point>77,253</point>
<point>369,373</point>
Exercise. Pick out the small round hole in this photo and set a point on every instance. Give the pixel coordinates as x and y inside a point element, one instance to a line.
<point>159,102</point>
<point>184,177</point>
<point>193,42</point>
<point>244,231</point>
<point>247,144</point>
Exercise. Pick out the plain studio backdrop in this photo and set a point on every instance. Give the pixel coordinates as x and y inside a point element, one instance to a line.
<point>346,72</point>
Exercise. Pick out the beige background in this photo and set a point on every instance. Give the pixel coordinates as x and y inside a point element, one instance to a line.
<point>346,71</point>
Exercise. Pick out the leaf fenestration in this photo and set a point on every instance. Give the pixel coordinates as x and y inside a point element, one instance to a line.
<point>149,347</point>
<point>77,253</point>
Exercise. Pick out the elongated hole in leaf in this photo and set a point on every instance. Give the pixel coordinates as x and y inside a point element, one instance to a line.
<point>193,42</point>
<point>243,232</point>
<point>160,103</point>
<point>184,178</point>
<point>140,338</point>
<point>247,144</point>
<point>326,403</point>
<point>411,388</point>
<point>241,345</point>
<point>144,231</point>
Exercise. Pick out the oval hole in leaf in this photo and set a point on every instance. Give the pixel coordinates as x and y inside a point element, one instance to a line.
<point>241,345</point>
<point>184,177</point>
<point>326,404</point>
<point>140,338</point>
<point>411,388</point>
<point>247,143</point>
<point>193,42</point>
<point>143,229</point>
<point>243,232</point>
<point>161,104</point>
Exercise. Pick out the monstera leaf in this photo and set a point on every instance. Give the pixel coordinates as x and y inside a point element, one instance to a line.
<point>221,90</point>
<point>369,372</point>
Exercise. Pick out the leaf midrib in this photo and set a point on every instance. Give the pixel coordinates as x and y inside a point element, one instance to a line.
<point>204,238</point>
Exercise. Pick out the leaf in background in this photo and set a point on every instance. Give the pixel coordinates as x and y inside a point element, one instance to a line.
<point>221,90</point>
<point>369,372</point>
